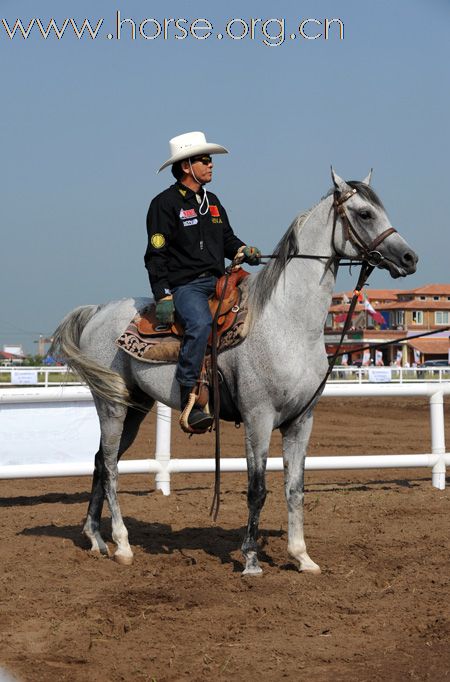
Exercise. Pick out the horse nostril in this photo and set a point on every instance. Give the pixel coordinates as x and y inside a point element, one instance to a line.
<point>409,258</point>
<point>409,261</point>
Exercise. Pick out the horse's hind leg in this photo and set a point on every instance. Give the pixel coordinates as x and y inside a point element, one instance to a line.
<point>295,441</point>
<point>92,525</point>
<point>257,447</point>
<point>130,428</point>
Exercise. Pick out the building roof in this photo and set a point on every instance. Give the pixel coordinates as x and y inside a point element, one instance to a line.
<point>437,346</point>
<point>416,304</point>
<point>343,308</point>
<point>9,356</point>
<point>392,294</point>
<point>374,294</point>
<point>431,290</point>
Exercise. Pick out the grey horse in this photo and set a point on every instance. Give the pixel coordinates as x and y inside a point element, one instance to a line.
<point>272,374</point>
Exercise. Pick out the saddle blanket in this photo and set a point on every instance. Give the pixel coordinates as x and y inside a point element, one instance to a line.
<point>165,348</point>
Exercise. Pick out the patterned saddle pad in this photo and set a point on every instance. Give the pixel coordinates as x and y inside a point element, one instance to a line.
<point>165,348</point>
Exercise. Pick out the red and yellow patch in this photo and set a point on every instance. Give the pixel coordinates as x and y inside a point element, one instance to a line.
<point>214,211</point>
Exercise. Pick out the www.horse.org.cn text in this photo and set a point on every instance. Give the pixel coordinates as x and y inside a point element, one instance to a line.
<point>269,32</point>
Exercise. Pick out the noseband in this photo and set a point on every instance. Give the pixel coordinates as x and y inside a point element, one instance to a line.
<point>369,252</point>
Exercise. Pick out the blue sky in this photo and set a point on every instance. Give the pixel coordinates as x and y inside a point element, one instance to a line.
<point>85,124</point>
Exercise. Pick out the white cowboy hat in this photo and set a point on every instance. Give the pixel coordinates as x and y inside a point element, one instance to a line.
<point>191,144</point>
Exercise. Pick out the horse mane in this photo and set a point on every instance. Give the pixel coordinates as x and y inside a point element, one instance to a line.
<point>265,281</point>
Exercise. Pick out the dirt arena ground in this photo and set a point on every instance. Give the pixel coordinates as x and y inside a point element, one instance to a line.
<point>379,611</point>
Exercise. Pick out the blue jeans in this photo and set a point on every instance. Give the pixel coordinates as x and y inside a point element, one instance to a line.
<point>192,309</point>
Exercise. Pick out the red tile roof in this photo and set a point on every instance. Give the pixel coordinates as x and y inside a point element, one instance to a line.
<point>432,290</point>
<point>415,305</point>
<point>10,356</point>
<point>392,294</point>
<point>374,294</point>
<point>343,308</point>
<point>430,346</point>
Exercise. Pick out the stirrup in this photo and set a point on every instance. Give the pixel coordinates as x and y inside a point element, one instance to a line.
<point>184,417</point>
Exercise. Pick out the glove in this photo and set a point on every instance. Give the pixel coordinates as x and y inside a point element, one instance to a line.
<point>165,310</point>
<point>251,255</point>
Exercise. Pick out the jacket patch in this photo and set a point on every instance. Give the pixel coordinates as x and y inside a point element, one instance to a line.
<point>182,192</point>
<point>214,211</point>
<point>187,213</point>
<point>187,223</point>
<point>158,240</point>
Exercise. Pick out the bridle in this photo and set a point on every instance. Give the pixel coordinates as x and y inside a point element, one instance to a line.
<point>368,251</point>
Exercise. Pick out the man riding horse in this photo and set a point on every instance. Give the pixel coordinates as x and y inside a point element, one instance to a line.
<point>189,235</point>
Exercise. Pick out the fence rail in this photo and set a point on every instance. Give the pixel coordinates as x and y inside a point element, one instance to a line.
<point>38,376</point>
<point>51,376</point>
<point>35,400</point>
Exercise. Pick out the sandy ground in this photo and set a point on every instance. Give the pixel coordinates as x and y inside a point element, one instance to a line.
<point>379,611</point>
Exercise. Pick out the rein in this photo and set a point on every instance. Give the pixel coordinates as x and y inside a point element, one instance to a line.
<point>382,344</point>
<point>371,259</point>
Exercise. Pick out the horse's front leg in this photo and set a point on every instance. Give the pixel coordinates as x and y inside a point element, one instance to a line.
<point>295,441</point>
<point>257,440</point>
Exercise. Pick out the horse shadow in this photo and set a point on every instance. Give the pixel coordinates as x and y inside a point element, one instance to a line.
<point>160,539</point>
<point>72,498</point>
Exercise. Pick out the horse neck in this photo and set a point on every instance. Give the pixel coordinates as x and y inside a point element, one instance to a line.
<point>304,290</point>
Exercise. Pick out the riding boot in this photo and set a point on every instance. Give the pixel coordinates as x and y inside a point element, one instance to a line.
<point>197,418</point>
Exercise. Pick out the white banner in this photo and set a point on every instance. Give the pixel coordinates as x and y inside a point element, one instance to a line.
<point>42,433</point>
<point>379,374</point>
<point>24,376</point>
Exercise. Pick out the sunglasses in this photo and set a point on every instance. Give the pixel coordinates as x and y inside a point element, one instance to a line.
<point>206,160</point>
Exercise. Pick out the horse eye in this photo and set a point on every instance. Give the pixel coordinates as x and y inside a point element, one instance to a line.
<point>365,215</point>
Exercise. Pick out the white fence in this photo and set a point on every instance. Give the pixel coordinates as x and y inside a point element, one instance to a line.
<point>26,407</point>
<point>53,376</point>
<point>400,375</point>
<point>37,376</point>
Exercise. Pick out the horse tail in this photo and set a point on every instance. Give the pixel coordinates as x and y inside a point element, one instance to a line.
<point>102,381</point>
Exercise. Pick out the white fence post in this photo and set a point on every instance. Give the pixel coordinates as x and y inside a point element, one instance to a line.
<point>438,438</point>
<point>162,453</point>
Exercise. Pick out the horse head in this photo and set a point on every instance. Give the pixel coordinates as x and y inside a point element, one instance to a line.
<point>365,230</point>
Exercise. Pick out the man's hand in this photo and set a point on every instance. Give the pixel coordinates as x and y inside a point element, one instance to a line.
<point>249,254</point>
<point>165,310</point>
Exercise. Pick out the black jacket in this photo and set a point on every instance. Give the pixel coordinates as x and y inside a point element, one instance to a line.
<point>182,244</point>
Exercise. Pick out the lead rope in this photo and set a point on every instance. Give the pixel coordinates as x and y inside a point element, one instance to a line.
<point>215,505</point>
<point>366,270</point>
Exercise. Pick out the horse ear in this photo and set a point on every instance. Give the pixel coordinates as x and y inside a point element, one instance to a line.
<point>338,182</point>
<point>367,179</point>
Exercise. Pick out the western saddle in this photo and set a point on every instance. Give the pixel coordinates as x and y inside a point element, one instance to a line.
<point>148,325</point>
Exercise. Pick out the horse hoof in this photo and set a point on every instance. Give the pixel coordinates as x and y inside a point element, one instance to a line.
<point>123,559</point>
<point>314,569</point>
<point>252,566</point>
<point>252,571</point>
